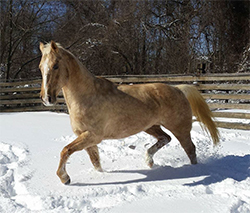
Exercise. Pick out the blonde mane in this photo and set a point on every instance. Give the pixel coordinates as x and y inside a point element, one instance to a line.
<point>47,47</point>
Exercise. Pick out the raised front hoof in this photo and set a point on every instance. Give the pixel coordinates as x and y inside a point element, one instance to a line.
<point>67,182</point>
<point>65,179</point>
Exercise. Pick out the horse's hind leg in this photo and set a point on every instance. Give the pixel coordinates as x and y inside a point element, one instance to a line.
<point>94,157</point>
<point>188,146</point>
<point>163,139</point>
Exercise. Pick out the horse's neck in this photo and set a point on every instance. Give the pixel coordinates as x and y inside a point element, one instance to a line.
<point>79,84</point>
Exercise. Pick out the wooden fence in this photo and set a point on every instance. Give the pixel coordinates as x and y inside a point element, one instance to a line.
<point>223,93</point>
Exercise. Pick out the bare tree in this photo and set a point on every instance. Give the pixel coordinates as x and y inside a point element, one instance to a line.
<point>126,37</point>
<point>23,23</point>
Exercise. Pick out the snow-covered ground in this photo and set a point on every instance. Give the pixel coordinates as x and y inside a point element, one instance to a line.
<point>30,145</point>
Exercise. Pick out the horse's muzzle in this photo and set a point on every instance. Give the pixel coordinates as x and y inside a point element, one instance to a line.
<point>48,100</point>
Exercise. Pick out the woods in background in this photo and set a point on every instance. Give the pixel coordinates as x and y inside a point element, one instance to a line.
<point>122,37</point>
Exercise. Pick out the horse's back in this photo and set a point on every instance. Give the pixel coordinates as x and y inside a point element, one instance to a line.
<point>155,94</point>
<point>169,103</point>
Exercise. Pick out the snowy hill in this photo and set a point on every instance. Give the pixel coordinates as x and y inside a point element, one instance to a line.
<point>30,145</point>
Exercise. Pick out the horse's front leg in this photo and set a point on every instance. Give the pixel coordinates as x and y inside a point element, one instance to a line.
<point>84,141</point>
<point>94,157</point>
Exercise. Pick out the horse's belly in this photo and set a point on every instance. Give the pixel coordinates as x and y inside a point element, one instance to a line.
<point>124,126</point>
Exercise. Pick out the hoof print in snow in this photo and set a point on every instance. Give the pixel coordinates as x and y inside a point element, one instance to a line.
<point>132,147</point>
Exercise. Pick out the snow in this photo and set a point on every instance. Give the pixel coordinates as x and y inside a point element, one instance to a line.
<point>30,145</point>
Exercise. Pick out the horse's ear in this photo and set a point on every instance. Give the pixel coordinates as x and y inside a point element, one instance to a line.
<point>54,47</point>
<point>41,46</point>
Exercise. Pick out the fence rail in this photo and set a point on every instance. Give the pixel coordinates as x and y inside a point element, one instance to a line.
<point>222,92</point>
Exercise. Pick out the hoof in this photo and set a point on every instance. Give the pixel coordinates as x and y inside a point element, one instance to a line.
<point>151,164</point>
<point>193,159</point>
<point>67,182</point>
<point>194,162</point>
<point>99,169</point>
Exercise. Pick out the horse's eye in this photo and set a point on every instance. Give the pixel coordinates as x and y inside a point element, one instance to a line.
<point>55,66</point>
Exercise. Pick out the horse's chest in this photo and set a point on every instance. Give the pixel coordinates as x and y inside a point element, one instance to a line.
<point>86,120</point>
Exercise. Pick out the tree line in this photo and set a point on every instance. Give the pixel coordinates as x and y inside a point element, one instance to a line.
<point>122,37</point>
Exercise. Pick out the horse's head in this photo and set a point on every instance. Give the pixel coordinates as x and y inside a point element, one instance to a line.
<point>54,72</point>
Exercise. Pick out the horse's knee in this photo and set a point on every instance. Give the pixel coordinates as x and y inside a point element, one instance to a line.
<point>65,152</point>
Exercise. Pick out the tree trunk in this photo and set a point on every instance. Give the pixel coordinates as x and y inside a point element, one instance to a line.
<point>7,74</point>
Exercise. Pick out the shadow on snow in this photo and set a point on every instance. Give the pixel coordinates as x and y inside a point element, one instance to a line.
<point>217,170</point>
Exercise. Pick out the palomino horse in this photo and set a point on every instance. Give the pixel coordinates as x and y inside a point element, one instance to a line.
<point>100,110</point>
